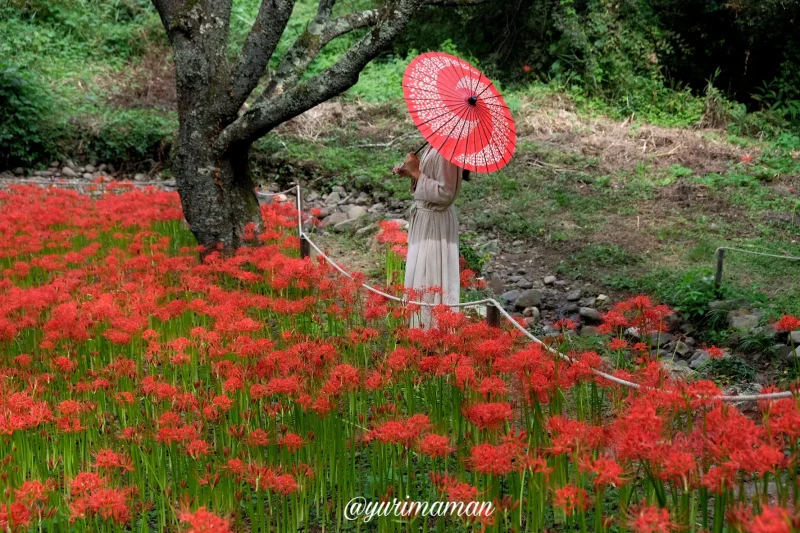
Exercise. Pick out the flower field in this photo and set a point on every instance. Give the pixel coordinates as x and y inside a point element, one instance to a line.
<point>145,390</point>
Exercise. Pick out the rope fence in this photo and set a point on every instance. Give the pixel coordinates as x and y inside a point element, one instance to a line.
<point>720,255</point>
<point>493,311</point>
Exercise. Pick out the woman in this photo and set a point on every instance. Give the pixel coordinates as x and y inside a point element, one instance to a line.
<point>432,260</point>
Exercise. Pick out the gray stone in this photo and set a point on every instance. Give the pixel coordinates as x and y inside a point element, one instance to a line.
<point>690,341</point>
<point>524,284</point>
<point>339,189</point>
<point>743,321</point>
<point>53,164</point>
<point>68,172</point>
<point>574,296</point>
<point>531,321</point>
<point>559,283</point>
<point>699,357</point>
<point>511,296</point>
<point>69,163</point>
<point>570,308</point>
<point>681,348</point>
<point>367,230</point>
<point>681,362</point>
<point>349,224</point>
<point>19,171</point>
<point>782,351</point>
<point>356,211</point>
<point>89,168</point>
<point>549,280</point>
<point>532,312</point>
<point>490,247</point>
<point>677,370</point>
<point>727,305</point>
<point>140,177</point>
<point>529,298</point>
<point>587,302</point>
<point>661,339</point>
<point>589,313</point>
<point>602,298</point>
<point>102,167</point>
<point>333,198</point>
<point>793,355</point>
<point>334,218</point>
<point>794,337</point>
<point>589,331</point>
<point>87,175</point>
<point>377,208</point>
<point>110,168</point>
<point>632,333</point>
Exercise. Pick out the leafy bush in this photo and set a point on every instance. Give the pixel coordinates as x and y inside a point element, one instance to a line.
<point>125,135</point>
<point>26,133</point>
<point>728,370</point>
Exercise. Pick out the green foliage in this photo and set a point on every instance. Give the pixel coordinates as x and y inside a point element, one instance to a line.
<point>127,135</point>
<point>26,133</point>
<point>728,370</point>
<point>475,260</point>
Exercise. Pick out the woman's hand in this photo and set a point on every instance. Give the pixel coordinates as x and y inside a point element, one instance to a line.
<point>409,168</point>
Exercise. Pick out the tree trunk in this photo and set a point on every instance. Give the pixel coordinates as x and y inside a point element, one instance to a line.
<point>217,192</point>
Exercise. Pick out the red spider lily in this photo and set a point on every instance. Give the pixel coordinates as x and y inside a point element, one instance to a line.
<point>788,323</point>
<point>650,519</point>
<point>204,521</point>
<point>435,445</point>
<point>488,415</point>
<point>570,498</point>
<point>400,431</point>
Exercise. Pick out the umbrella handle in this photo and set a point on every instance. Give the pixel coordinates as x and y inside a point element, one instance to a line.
<point>421,147</point>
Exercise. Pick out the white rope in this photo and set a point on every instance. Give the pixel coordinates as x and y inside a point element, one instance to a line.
<point>492,302</point>
<point>764,254</point>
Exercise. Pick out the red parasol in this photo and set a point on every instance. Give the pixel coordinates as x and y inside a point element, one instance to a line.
<point>459,112</point>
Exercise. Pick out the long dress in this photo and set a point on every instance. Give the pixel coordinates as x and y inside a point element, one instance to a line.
<point>432,260</point>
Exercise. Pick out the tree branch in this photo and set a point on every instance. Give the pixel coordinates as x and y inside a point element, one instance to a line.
<point>308,46</point>
<point>334,80</point>
<point>263,38</point>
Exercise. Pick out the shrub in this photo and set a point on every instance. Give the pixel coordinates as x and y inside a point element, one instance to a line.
<point>26,133</point>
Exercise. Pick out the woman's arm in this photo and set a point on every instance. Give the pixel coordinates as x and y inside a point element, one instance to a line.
<point>429,189</point>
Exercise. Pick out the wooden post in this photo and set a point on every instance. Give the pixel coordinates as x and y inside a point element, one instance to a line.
<point>718,273</point>
<point>305,248</point>
<point>492,316</point>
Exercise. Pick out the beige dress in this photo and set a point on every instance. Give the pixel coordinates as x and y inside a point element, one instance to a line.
<point>432,259</point>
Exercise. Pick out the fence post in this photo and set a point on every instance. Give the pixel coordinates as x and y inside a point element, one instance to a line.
<point>305,248</point>
<point>492,316</point>
<point>718,273</point>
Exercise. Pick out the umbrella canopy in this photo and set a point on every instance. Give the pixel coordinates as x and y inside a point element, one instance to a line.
<point>459,112</point>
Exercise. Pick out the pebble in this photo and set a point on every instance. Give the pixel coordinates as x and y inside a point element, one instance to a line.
<point>574,296</point>
<point>89,168</point>
<point>19,171</point>
<point>68,172</point>
<point>549,280</point>
<point>589,313</point>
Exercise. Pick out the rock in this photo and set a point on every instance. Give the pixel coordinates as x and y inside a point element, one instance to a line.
<point>782,351</point>
<point>727,305</point>
<point>633,334</point>
<point>140,177</point>
<point>794,337</point>
<point>589,313</point>
<point>602,298</point>
<point>690,341</point>
<point>792,355</point>
<point>102,167</point>
<point>531,321</point>
<point>511,296</point>
<point>589,331</point>
<point>89,168</point>
<point>87,175</point>
<point>19,171</point>
<point>532,312</point>
<point>110,168</point>
<point>339,190</point>
<point>377,208</point>
<point>677,370</point>
<point>363,199</point>
<point>333,198</point>
<point>681,348</point>
<point>574,296</point>
<point>366,230</point>
<point>549,280</point>
<point>524,284</point>
<point>681,362</point>
<point>349,224</point>
<point>570,308</point>
<point>529,298</point>
<point>661,339</point>
<point>356,211</point>
<point>559,283</point>
<point>738,320</point>
<point>333,219</point>
<point>69,163</point>
<point>686,328</point>
<point>490,247</point>
<point>587,302</point>
<point>53,164</point>
<point>697,360</point>
<point>68,172</point>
